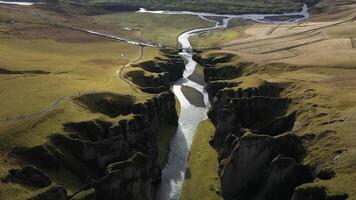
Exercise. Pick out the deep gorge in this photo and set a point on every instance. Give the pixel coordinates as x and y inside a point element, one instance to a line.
<point>259,155</point>
<point>118,155</point>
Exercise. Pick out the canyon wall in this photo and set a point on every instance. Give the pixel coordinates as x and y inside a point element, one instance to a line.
<point>261,157</point>
<point>117,153</point>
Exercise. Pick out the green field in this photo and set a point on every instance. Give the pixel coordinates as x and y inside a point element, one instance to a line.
<point>159,28</point>
<point>215,38</point>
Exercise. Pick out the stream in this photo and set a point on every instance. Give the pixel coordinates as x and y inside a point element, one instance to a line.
<point>190,116</point>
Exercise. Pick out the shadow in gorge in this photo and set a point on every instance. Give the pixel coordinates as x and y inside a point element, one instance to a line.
<point>172,178</point>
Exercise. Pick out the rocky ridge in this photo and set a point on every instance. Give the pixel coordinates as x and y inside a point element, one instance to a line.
<point>157,75</point>
<point>260,156</point>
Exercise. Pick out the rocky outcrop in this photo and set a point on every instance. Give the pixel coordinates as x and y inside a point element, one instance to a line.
<point>117,153</point>
<point>263,165</point>
<point>262,114</point>
<point>52,193</point>
<point>130,179</point>
<point>27,175</point>
<point>259,157</point>
<point>156,76</point>
<point>314,192</point>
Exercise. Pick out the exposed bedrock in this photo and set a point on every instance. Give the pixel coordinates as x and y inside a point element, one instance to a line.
<point>52,193</point>
<point>263,167</point>
<point>130,179</point>
<point>259,156</point>
<point>315,192</point>
<point>264,115</point>
<point>221,66</point>
<point>246,86</point>
<point>116,154</point>
<point>157,75</point>
<point>27,175</point>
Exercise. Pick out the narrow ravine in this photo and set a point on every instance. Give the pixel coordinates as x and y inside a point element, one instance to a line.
<point>190,116</point>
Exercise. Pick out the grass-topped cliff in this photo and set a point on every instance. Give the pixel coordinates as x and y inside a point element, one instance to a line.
<point>70,121</point>
<point>272,84</point>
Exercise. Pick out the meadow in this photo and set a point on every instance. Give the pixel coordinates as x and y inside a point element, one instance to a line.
<point>162,29</point>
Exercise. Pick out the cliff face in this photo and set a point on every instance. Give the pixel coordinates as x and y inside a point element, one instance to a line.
<point>157,75</point>
<point>115,154</point>
<point>90,149</point>
<point>130,179</point>
<point>260,157</point>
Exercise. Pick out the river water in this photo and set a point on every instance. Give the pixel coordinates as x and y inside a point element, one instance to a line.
<point>190,116</point>
<point>17,3</point>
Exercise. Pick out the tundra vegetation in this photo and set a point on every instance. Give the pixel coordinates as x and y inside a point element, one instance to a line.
<point>81,112</point>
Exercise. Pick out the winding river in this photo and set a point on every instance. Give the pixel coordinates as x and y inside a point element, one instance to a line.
<point>190,116</point>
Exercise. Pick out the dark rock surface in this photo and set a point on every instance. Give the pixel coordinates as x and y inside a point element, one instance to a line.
<point>52,193</point>
<point>28,175</point>
<point>89,147</point>
<point>130,179</point>
<point>156,76</point>
<point>259,156</point>
<point>316,193</point>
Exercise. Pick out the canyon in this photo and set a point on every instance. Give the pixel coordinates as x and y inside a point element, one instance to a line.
<point>278,114</point>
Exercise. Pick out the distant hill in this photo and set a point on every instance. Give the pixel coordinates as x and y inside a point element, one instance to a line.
<point>213,6</point>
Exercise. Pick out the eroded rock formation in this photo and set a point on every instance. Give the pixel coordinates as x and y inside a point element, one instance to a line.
<point>155,76</point>
<point>129,179</point>
<point>27,175</point>
<point>116,154</point>
<point>259,156</point>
